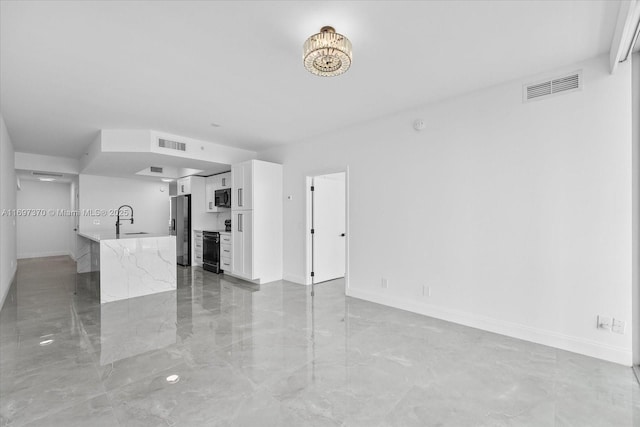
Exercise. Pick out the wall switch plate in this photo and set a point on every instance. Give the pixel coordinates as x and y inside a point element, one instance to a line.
<point>604,323</point>
<point>426,291</point>
<point>385,283</point>
<point>617,326</point>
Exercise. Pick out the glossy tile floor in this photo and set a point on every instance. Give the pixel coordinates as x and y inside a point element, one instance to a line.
<point>271,356</point>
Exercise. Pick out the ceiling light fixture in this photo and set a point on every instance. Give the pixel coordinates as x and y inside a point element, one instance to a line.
<point>46,179</point>
<point>327,53</point>
<point>167,180</point>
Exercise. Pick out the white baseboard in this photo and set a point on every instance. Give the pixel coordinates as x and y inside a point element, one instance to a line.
<point>294,278</point>
<point>238,276</point>
<point>43,254</point>
<point>561,341</point>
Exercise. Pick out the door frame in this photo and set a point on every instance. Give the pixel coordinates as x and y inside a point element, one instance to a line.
<point>307,233</point>
<point>635,212</point>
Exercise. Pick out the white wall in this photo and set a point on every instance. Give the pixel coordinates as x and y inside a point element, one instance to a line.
<point>518,216</point>
<point>44,235</point>
<point>150,204</point>
<point>8,262</point>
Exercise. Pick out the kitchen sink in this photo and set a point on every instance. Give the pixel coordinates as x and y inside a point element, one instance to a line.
<point>139,232</point>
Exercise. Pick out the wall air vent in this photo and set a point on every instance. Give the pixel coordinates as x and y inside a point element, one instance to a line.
<point>53,175</point>
<point>173,145</point>
<point>544,89</point>
<point>155,169</point>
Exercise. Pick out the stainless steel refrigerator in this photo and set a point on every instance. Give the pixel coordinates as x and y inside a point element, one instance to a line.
<point>181,227</point>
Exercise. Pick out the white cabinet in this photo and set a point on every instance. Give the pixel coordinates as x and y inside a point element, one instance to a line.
<point>242,185</point>
<point>224,179</point>
<point>256,221</point>
<point>242,244</point>
<point>184,186</point>
<point>213,183</point>
<point>209,189</point>
<point>197,244</point>
<point>226,251</point>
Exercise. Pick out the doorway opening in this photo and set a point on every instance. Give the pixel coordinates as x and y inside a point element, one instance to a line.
<point>327,229</point>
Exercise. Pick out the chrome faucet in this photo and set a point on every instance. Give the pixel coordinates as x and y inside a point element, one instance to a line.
<point>118,219</point>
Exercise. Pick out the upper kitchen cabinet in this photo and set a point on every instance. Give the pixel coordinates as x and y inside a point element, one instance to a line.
<point>242,177</point>
<point>190,185</point>
<point>209,189</point>
<point>225,180</point>
<point>184,186</point>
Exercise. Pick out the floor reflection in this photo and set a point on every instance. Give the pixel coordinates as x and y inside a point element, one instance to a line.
<point>137,325</point>
<point>220,351</point>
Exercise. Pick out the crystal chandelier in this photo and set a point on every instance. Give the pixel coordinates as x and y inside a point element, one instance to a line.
<point>327,53</point>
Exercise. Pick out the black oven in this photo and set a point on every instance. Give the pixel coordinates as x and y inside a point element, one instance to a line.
<point>223,198</point>
<point>211,251</point>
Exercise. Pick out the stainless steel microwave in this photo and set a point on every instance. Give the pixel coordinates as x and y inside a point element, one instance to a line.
<point>223,198</point>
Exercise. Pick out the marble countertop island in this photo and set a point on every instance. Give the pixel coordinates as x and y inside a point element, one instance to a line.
<point>130,265</point>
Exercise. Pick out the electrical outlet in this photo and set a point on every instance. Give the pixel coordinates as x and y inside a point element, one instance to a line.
<point>96,222</point>
<point>426,291</point>
<point>617,326</point>
<point>604,323</point>
<point>385,283</point>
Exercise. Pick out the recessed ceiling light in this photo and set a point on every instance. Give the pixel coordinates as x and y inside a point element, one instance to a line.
<point>167,180</point>
<point>46,342</point>
<point>172,379</point>
<point>47,179</point>
<point>215,125</point>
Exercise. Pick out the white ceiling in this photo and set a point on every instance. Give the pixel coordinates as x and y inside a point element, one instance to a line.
<point>70,68</point>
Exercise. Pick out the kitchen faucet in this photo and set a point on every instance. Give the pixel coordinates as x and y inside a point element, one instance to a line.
<point>118,219</point>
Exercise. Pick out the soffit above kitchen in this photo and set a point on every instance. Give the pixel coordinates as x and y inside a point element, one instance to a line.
<point>232,73</point>
<point>152,155</point>
<point>137,153</point>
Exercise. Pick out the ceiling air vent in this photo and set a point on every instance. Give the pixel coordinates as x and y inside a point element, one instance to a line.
<point>173,145</point>
<point>156,169</point>
<point>568,83</point>
<point>55,175</point>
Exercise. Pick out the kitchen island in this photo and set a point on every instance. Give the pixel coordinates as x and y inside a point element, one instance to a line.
<point>130,265</point>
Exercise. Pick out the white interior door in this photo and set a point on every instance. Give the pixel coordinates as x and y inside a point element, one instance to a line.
<point>329,216</point>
